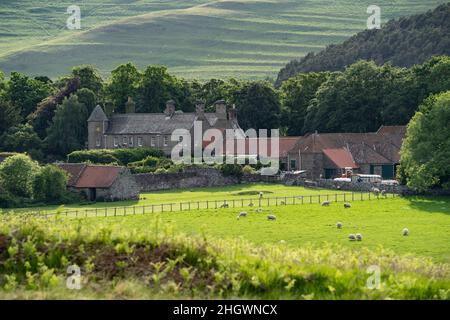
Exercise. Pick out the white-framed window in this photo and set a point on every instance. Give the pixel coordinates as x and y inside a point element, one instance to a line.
<point>116,141</point>
<point>130,141</point>
<point>124,141</point>
<point>166,141</point>
<point>140,141</point>
<point>153,141</point>
<point>98,141</point>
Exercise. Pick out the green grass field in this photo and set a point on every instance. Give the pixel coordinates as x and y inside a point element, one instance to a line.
<point>196,38</point>
<point>379,221</point>
<point>249,192</point>
<point>212,254</point>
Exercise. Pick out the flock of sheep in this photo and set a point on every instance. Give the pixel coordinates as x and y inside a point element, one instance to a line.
<point>351,237</point>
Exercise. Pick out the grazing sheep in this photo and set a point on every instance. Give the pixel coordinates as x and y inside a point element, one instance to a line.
<point>325,203</point>
<point>282,203</point>
<point>376,191</point>
<point>271,217</point>
<point>225,205</point>
<point>243,214</point>
<point>261,195</point>
<point>359,236</point>
<point>405,232</point>
<point>251,204</point>
<point>347,205</point>
<point>351,237</point>
<point>282,241</point>
<point>339,225</point>
<point>259,210</point>
<point>383,193</point>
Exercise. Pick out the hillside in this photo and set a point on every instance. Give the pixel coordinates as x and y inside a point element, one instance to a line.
<point>196,38</point>
<point>402,42</point>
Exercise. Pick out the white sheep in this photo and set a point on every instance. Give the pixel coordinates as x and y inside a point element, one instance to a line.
<point>225,205</point>
<point>271,217</point>
<point>376,191</point>
<point>325,203</point>
<point>384,193</point>
<point>359,236</point>
<point>261,195</point>
<point>282,241</point>
<point>259,210</point>
<point>405,232</point>
<point>251,204</point>
<point>339,225</point>
<point>347,205</point>
<point>351,237</point>
<point>243,214</point>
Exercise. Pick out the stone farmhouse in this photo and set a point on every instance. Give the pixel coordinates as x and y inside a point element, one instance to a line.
<point>319,155</point>
<point>101,183</point>
<point>131,130</point>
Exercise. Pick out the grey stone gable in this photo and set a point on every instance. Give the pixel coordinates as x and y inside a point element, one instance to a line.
<point>98,115</point>
<point>147,123</point>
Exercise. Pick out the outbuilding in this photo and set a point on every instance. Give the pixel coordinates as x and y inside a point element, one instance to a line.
<point>101,182</point>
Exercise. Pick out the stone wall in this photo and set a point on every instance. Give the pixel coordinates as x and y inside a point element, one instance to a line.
<point>211,177</point>
<point>359,186</point>
<point>124,188</point>
<point>190,178</point>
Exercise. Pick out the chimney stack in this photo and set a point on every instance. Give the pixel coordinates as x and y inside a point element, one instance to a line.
<point>170,108</point>
<point>221,109</point>
<point>232,113</point>
<point>200,109</point>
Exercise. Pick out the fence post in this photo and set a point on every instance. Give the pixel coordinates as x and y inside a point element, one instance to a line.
<point>216,204</point>
<point>198,205</point>
<point>335,197</point>
<point>181,206</point>
<point>345,197</point>
<point>171,207</point>
<point>115,211</point>
<point>153,208</point>
<point>293,199</point>
<point>369,195</point>
<point>353,195</point>
<point>207,204</point>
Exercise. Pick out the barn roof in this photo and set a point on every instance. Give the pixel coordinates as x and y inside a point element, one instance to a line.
<point>342,158</point>
<point>90,176</point>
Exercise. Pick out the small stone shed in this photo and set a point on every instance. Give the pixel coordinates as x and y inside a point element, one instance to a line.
<point>101,182</point>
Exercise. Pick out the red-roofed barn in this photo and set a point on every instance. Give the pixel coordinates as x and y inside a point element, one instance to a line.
<point>97,182</point>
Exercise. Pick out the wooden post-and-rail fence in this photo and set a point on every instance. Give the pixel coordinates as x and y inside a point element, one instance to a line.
<point>208,204</point>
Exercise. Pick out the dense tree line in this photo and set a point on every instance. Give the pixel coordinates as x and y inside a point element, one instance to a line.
<point>425,153</point>
<point>48,120</point>
<point>402,42</point>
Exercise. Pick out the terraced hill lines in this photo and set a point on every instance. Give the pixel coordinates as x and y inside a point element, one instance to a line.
<point>196,39</point>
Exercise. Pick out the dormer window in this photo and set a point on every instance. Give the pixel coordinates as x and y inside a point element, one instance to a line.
<point>166,141</point>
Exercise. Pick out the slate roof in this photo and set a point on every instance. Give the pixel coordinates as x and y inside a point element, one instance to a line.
<point>90,176</point>
<point>145,123</point>
<point>97,115</point>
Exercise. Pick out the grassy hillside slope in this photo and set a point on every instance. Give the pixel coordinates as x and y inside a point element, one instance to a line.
<point>196,39</point>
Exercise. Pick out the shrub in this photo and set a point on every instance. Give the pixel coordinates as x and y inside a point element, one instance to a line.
<point>94,156</point>
<point>49,184</point>
<point>17,173</point>
<point>117,156</point>
<point>125,156</point>
<point>231,170</point>
<point>248,169</point>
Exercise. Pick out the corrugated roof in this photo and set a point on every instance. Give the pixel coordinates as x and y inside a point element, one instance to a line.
<point>342,158</point>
